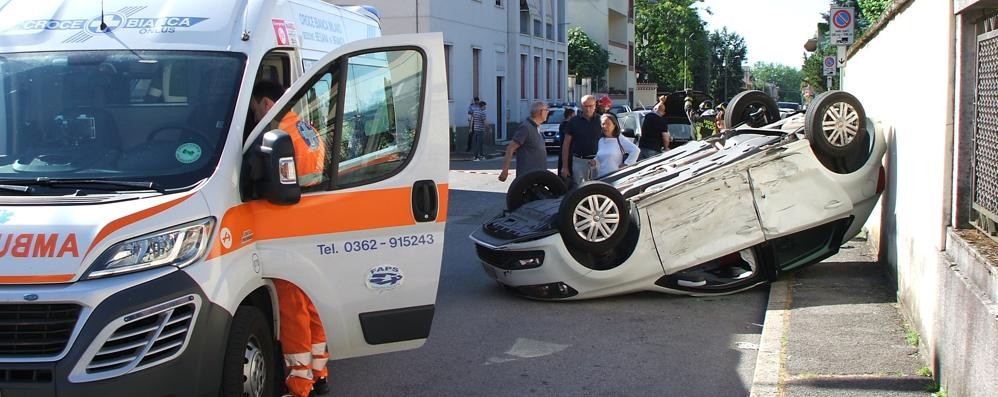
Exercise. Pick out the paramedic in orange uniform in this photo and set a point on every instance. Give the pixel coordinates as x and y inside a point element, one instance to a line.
<point>303,338</point>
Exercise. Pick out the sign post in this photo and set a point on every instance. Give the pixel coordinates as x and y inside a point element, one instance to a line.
<point>829,67</point>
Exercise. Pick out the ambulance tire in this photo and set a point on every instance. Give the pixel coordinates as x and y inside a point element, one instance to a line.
<point>535,185</point>
<point>594,218</point>
<point>249,350</point>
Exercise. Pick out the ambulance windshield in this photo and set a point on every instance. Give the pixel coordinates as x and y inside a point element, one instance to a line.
<point>156,116</point>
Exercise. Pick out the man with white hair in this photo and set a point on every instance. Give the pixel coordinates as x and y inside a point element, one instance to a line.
<point>654,132</point>
<point>578,151</point>
<point>527,144</point>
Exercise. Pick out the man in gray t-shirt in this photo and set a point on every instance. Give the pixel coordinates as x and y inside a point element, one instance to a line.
<point>528,145</point>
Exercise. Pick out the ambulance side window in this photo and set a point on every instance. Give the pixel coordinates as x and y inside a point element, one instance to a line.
<point>310,121</point>
<point>381,109</point>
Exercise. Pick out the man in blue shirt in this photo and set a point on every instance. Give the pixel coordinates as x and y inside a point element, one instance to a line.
<point>578,152</point>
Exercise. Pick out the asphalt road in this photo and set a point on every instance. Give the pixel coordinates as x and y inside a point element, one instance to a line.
<point>488,342</point>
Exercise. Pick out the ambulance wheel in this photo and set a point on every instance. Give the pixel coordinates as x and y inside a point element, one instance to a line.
<point>752,107</point>
<point>835,124</point>
<point>248,368</point>
<point>535,185</point>
<point>594,217</point>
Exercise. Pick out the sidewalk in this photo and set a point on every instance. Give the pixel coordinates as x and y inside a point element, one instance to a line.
<point>834,329</point>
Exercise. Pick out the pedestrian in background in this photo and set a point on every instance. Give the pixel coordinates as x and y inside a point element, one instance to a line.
<point>475,103</point>
<point>569,114</point>
<point>654,132</point>
<point>478,123</point>
<point>613,153</point>
<point>578,151</point>
<point>527,144</point>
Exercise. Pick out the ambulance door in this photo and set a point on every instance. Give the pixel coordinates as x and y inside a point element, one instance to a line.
<point>365,242</point>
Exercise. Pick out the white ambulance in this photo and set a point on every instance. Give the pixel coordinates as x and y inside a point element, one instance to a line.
<point>143,217</point>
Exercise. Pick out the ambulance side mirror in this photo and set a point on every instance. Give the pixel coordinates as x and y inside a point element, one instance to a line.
<point>272,169</point>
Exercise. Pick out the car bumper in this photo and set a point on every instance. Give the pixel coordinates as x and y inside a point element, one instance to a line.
<point>193,355</point>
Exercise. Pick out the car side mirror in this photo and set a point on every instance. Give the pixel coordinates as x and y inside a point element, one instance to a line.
<point>269,170</point>
<point>628,132</point>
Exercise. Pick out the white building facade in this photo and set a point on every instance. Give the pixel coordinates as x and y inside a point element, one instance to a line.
<point>507,53</point>
<point>611,24</point>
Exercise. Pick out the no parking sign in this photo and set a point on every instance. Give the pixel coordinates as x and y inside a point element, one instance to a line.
<point>829,64</point>
<point>840,25</point>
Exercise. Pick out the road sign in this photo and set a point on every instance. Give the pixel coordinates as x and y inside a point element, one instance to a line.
<point>840,26</point>
<point>829,65</point>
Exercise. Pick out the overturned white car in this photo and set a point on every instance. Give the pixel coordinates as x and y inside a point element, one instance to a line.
<point>710,217</point>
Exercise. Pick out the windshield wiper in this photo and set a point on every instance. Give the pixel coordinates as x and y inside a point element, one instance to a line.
<point>27,185</point>
<point>17,189</point>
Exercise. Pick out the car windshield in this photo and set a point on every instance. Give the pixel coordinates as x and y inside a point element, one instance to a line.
<point>555,116</point>
<point>681,131</point>
<point>135,116</point>
<point>788,105</point>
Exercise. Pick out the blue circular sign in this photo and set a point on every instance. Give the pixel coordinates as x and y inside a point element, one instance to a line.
<point>829,61</point>
<point>841,19</point>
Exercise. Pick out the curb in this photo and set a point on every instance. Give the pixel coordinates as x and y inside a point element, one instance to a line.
<point>769,360</point>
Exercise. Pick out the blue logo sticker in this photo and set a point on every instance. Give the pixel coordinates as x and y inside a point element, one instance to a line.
<point>113,21</point>
<point>5,216</point>
<point>309,134</point>
<point>384,277</point>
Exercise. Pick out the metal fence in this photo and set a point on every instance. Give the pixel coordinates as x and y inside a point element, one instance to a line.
<point>985,166</point>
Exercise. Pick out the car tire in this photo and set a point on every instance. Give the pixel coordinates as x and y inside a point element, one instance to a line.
<point>746,103</point>
<point>535,185</point>
<point>835,124</point>
<point>594,217</point>
<point>248,367</point>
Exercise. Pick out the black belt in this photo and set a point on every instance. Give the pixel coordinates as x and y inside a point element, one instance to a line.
<point>589,157</point>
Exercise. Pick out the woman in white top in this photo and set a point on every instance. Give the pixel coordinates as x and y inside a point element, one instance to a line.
<point>610,149</point>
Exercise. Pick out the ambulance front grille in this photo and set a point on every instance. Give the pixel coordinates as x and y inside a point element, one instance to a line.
<point>144,340</point>
<point>36,329</point>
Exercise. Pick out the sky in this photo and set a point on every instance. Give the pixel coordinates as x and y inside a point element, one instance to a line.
<point>774,30</point>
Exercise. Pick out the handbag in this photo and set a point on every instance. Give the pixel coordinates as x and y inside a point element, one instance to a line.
<point>623,154</point>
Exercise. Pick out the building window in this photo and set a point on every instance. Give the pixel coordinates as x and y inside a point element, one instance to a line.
<point>523,76</point>
<point>499,3</point>
<point>538,32</point>
<point>447,50</point>
<point>548,77</point>
<point>524,21</point>
<point>537,77</point>
<point>550,31</point>
<point>476,61</point>
<point>561,75</point>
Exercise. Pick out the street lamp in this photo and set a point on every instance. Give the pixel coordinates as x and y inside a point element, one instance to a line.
<point>686,57</point>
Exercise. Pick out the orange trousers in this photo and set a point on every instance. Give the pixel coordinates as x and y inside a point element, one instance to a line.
<point>303,339</point>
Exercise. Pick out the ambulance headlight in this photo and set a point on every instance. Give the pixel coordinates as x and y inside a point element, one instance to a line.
<point>177,246</point>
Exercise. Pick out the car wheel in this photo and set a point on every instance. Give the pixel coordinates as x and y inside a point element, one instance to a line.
<point>535,185</point>
<point>248,365</point>
<point>836,125</point>
<point>593,217</point>
<point>755,108</point>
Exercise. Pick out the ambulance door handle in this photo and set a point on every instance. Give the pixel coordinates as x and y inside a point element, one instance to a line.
<point>424,201</point>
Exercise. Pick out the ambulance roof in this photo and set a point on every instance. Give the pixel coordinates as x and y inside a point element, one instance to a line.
<point>216,25</point>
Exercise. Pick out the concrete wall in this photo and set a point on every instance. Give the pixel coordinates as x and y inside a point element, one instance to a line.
<point>907,77</point>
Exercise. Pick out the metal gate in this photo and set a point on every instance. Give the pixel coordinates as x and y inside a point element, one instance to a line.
<point>985,160</point>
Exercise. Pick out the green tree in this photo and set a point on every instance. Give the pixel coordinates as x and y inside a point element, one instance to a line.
<point>727,50</point>
<point>671,44</point>
<point>873,10</point>
<point>586,58</point>
<point>786,78</point>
